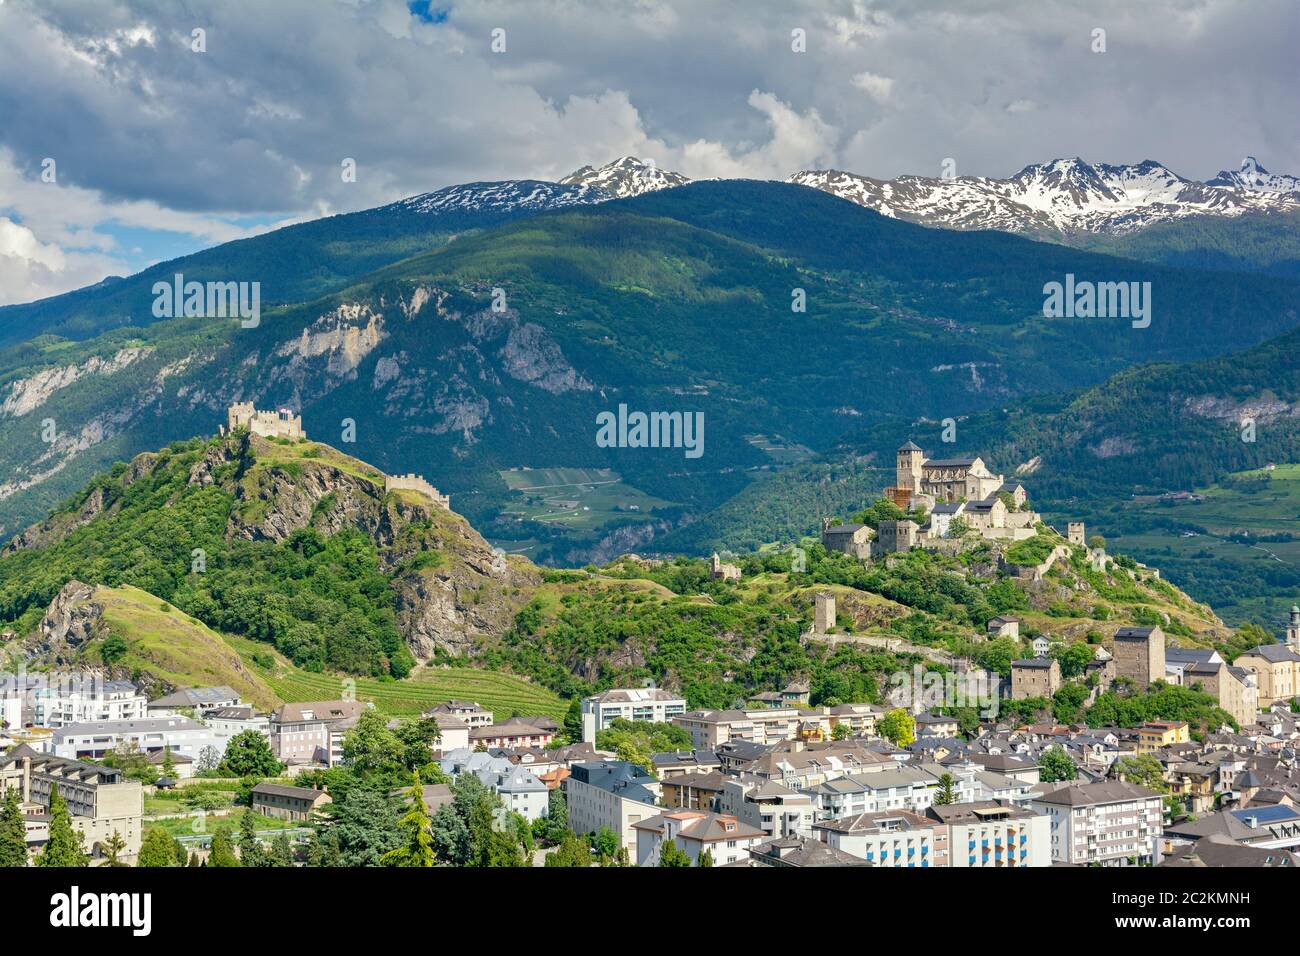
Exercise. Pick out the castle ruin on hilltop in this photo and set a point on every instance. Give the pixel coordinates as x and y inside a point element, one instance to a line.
<point>282,423</point>
<point>409,482</point>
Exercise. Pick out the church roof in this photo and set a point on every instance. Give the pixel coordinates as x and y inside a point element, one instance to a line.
<point>910,446</point>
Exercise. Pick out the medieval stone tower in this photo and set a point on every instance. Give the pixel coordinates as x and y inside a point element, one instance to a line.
<point>823,612</point>
<point>1140,654</point>
<point>908,476</point>
<point>1074,533</point>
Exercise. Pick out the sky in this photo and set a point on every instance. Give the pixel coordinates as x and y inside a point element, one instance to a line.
<point>161,144</point>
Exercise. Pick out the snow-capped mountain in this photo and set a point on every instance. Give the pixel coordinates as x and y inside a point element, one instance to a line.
<point>506,196</point>
<point>625,176</point>
<point>1063,196</point>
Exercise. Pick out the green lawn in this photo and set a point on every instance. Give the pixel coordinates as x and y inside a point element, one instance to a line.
<point>503,694</point>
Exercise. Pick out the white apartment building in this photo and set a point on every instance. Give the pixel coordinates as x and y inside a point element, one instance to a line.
<point>1110,823</point>
<point>711,729</point>
<point>613,794</point>
<point>628,703</point>
<point>898,838</point>
<point>150,734</point>
<point>991,833</point>
<point>63,698</point>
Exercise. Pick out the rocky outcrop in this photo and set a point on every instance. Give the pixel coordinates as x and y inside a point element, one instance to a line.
<point>72,621</point>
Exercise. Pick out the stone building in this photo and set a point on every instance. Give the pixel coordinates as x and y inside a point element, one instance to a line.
<point>892,536</point>
<point>941,479</point>
<point>1277,670</point>
<point>281,423</point>
<point>1140,654</point>
<point>723,572</point>
<point>1035,677</point>
<point>1074,533</point>
<point>852,538</point>
<point>410,482</point>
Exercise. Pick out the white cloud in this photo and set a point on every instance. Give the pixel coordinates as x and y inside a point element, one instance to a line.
<point>876,86</point>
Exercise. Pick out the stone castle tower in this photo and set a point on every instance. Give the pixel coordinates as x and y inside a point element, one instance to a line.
<point>908,475</point>
<point>1074,533</point>
<point>1140,654</point>
<point>823,612</point>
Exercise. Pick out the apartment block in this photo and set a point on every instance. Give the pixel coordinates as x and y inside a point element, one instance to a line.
<point>1111,823</point>
<point>628,703</point>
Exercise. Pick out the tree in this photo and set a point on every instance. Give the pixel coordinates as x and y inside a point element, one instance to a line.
<point>670,854</point>
<point>841,732</point>
<point>168,765</point>
<point>606,844</point>
<point>250,847</point>
<point>66,845</point>
<point>113,649</point>
<point>223,849</point>
<point>126,757</point>
<point>1143,770</point>
<point>1054,765</point>
<point>1074,659</point>
<point>898,726</point>
<point>248,754</point>
<point>705,859</point>
<point>113,848</point>
<point>365,824</point>
<point>156,849</point>
<point>281,851</point>
<point>571,852</point>
<point>573,720</point>
<point>947,792</point>
<point>370,747</point>
<point>417,849</point>
<point>13,831</point>
<point>209,760</point>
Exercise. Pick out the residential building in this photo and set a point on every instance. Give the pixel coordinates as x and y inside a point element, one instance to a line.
<point>674,763</point>
<point>149,734</point>
<point>301,733</point>
<point>453,733</point>
<point>614,794</point>
<point>1109,823</point>
<point>936,725</point>
<point>68,697</point>
<point>774,809</point>
<point>1003,627</point>
<point>710,729</point>
<point>628,703</point>
<point>102,801</point>
<point>288,803</point>
<point>520,791</point>
<point>993,833</point>
<point>726,839</point>
<point>897,838</point>
<point>693,791</point>
<point>472,714</point>
<point>198,699</point>
<point>1159,734</point>
<point>516,733</point>
<point>799,852</point>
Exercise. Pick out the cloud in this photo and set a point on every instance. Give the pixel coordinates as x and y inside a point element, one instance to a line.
<point>208,146</point>
<point>877,87</point>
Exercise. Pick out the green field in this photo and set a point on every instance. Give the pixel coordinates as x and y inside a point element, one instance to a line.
<point>503,694</point>
<point>1241,540</point>
<point>581,499</point>
<point>780,449</point>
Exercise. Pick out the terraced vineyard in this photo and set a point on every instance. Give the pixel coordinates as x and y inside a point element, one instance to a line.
<point>502,694</point>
